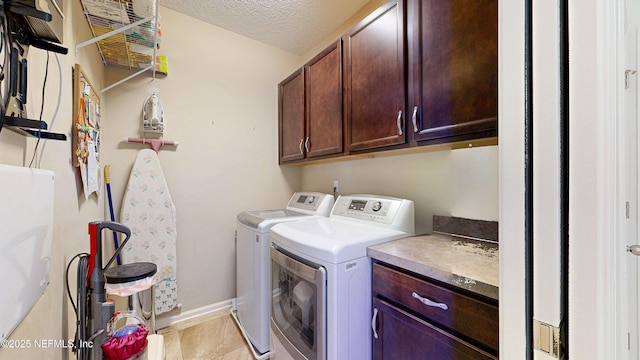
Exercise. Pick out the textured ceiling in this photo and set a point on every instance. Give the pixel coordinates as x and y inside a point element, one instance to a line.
<point>291,25</point>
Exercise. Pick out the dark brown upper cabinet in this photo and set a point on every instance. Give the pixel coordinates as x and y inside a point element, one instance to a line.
<point>311,116</point>
<point>375,79</point>
<point>291,117</point>
<point>414,72</point>
<point>453,70</point>
<point>324,103</point>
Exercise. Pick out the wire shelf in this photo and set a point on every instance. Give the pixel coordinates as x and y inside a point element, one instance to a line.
<point>127,33</point>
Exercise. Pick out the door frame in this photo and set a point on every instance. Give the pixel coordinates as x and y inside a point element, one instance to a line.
<point>628,139</point>
<point>594,107</point>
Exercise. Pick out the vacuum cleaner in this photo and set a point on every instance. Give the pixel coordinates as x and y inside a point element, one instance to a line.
<point>93,311</point>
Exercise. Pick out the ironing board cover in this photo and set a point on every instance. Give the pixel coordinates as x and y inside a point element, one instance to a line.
<point>148,211</point>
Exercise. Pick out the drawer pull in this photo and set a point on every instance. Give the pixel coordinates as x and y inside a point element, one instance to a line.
<point>429,302</point>
<point>373,322</point>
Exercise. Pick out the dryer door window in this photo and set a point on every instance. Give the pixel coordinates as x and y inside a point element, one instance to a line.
<point>298,306</point>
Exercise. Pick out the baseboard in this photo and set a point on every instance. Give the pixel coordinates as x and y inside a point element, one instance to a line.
<point>169,319</point>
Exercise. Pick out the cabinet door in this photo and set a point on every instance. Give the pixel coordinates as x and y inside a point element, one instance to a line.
<point>324,103</point>
<point>291,117</point>
<point>375,82</point>
<point>453,60</point>
<point>401,335</point>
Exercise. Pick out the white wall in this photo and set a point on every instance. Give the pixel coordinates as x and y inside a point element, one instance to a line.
<point>220,102</point>
<point>52,316</point>
<point>462,183</point>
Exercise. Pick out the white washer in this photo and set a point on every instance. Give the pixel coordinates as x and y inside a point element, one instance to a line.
<point>321,276</point>
<point>252,260</point>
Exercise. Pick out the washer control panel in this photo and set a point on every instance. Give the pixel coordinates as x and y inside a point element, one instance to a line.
<point>311,202</point>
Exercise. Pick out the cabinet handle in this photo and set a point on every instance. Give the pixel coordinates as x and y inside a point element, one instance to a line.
<point>399,122</point>
<point>373,322</point>
<point>306,144</point>
<point>429,302</point>
<point>300,146</point>
<point>414,118</point>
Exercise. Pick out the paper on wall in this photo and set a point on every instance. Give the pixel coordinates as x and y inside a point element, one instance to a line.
<point>90,171</point>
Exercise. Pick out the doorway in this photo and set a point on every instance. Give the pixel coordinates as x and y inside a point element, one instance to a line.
<point>597,263</point>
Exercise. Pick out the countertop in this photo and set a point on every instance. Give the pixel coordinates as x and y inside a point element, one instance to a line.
<point>468,264</point>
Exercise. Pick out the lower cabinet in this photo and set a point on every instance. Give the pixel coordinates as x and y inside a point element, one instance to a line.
<point>415,318</point>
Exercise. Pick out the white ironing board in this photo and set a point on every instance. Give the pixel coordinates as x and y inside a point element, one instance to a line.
<point>148,211</point>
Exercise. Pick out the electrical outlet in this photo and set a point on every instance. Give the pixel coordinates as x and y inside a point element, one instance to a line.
<point>336,186</point>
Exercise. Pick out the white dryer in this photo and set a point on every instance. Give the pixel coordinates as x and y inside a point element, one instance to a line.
<point>252,261</point>
<point>321,276</point>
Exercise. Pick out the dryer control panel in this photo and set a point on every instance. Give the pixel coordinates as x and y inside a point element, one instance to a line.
<point>385,210</point>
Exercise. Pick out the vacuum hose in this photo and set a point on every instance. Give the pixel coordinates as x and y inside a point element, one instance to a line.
<point>81,309</point>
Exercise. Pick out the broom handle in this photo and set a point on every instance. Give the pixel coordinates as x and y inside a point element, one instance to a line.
<point>107,180</point>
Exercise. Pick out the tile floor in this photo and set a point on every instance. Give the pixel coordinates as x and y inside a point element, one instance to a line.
<point>209,337</point>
